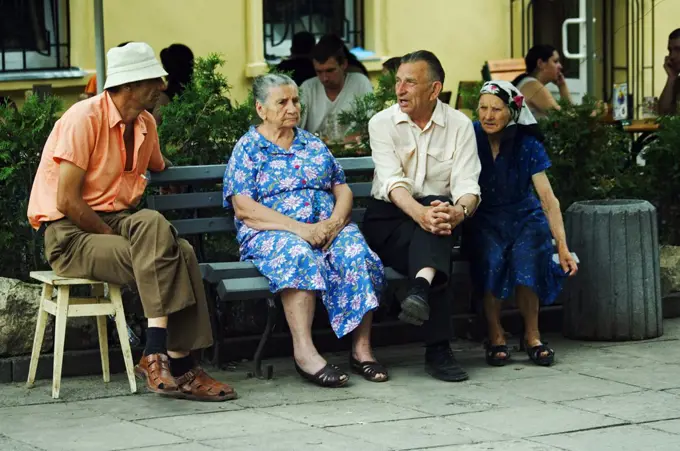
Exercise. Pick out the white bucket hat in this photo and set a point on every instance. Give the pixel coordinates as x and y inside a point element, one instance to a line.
<point>134,61</point>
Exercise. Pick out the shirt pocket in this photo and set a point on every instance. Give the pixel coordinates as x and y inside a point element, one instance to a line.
<point>136,183</point>
<point>406,155</point>
<point>439,163</point>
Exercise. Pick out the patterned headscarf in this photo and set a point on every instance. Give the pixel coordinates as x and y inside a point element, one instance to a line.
<point>506,91</point>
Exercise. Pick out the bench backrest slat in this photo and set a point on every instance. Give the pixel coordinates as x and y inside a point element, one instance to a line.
<point>212,174</point>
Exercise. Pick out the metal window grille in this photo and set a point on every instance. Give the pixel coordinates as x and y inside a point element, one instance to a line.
<point>34,35</point>
<point>283,18</point>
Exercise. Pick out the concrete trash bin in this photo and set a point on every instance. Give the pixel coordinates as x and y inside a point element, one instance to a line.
<point>617,293</point>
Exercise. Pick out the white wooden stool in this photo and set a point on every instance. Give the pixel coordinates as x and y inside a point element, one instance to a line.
<point>67,306</point>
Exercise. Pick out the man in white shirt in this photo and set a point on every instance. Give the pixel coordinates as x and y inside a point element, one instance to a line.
<point>424,186</point>
<point>333,89</point>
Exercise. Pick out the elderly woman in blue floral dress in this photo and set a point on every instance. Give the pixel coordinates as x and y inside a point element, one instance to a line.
<point>509,238</point>
<point>292,207</point>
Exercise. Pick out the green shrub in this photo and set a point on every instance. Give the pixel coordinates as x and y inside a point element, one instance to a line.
<point>201,126</point>
<point>23,134</point>
<point>660,177</point>
<point>356,119</point>
<point>589,157</point>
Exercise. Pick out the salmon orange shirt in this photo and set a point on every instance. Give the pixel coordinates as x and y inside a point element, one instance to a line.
<point>90,135</point>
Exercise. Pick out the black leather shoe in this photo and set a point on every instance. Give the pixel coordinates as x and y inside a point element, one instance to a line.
<point>415,308</point>
<point>441,364</point>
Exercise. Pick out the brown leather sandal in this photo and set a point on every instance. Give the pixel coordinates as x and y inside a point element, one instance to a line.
<point>196,385</point>
<point>155,370</point>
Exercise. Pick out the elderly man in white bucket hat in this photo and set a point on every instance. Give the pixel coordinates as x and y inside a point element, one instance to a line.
<point>89,181</point>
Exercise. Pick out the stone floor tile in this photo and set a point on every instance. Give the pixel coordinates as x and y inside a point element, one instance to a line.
<point>632,407</point>
<point>7,444</point>
<point>522,422</point>
<point>352,411</point>
<point>153,406</point>
<point>209,426</point>
<point>624,438</point>
<point>311,439</point>
<point>565,387</point>
<point>504,445</point>
<point>417,433</point>
<point>671,426</point>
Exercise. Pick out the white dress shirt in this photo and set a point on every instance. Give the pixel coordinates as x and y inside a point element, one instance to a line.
<point>440,159</point>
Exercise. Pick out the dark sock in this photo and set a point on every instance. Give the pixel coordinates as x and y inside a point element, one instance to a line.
<point>156,341</point>
<point>181,366</point>
<point>438,345</point>
<point>421,282</point>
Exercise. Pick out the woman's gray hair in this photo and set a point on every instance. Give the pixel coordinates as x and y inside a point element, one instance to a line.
<point>263,84</point>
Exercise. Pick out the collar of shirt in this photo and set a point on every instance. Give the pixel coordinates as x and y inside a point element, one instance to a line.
<point>438,117</point>
<point>114,115</point>
<point>299,142</point>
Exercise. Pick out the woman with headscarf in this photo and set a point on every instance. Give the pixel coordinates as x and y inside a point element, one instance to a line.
<point>509,238</point>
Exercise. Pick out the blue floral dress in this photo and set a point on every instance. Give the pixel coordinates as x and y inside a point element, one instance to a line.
<point>508,239</point>
<point>297,183</point>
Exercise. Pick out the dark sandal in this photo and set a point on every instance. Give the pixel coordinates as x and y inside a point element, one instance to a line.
<point>368,370</point>
<point>492,354</point>
<point>535,352</point>
<point>329,376</point>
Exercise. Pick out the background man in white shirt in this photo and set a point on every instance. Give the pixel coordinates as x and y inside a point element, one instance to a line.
<point>425,185</point>
<point>332,90</point>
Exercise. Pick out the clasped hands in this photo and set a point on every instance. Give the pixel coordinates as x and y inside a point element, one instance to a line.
<point>440,218</point>
<point>321,234</point>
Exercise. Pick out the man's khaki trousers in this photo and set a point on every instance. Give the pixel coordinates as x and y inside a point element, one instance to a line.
<point>147,251</point>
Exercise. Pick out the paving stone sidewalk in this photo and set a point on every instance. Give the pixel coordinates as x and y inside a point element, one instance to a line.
<point>600,396</point>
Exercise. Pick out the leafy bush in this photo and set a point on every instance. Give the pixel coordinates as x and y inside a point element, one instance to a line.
<point>201,126</point>
<point>589,157</point>
<point>356,119</point>
<point>660,177</point>
<point>22,136</point>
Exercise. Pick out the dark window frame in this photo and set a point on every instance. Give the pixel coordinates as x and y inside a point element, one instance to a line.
<point>41,41</point>
<point>289,12</point>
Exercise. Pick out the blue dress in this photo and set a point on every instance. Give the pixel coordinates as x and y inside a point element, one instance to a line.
<point>297,183</point>
<point>508,239</point>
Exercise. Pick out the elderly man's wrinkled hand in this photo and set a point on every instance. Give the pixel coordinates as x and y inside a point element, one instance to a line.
<point>447,216</point>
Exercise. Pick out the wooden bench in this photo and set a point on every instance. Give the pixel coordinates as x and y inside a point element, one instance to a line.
<point>238,281</point>
<point>504,69</point>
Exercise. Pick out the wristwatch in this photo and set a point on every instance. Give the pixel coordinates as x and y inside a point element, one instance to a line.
<point>466,211</point>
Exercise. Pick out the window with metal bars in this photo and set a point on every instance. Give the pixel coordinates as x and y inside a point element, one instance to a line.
<point>283,18</point>
<point>34,35</point>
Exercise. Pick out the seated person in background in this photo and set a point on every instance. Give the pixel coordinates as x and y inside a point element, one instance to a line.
<point>333,89</point>
<point>178,62</point>
<point>509,239</point>
<point>543,67</point>
<point>89,182</point>
<point>425,185</point>
<point>292,212</point>
<point>670,96</point>
<point>391,65</point>
<point>299,64</point>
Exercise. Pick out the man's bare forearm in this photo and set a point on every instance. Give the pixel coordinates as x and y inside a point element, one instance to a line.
<point>85,218</point>
<point>405,202</point>
<point>470,201</point>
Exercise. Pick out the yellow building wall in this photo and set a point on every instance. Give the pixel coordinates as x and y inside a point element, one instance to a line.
<point>463,35</point>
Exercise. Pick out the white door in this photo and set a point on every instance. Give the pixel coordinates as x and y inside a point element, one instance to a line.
<point>562,23</point>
